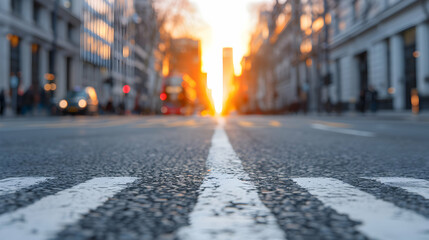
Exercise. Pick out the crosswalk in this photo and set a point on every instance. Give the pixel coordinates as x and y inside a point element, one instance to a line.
<point>228,206</point>
<point>380,219</point>
<point>228,203</point>
<point>49,215</point>
<point>11,185</point>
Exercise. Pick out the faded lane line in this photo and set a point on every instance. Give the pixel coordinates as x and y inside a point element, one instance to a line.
<point>413,185</point>
<point>228,206</point>
<point>11,185</point>
<point>334,124</point>
<point>342,130</point>
<point>114,123</point>
<point>379,219</point>
<point>49,215</point>
<point>246,124</point>
<point>275,124</point>
<point>187,123</point>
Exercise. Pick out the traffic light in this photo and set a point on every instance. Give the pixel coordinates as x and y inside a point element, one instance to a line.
<point>163,96</point>
<point>126,89</point>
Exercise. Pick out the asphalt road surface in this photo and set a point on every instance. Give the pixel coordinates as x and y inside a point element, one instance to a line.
<point>241,177</point>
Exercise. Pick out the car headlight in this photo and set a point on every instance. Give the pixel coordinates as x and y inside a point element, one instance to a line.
<point>82,103</point>
<point>63,104</point>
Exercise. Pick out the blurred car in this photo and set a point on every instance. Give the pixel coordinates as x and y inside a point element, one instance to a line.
<point>172,109</point>
<point>80,101</point>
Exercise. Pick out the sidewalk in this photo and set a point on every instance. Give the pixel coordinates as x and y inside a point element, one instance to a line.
<point>382,115</point>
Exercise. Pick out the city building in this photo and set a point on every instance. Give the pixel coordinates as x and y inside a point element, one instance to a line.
<point>383,45</point>
<point>97,35</point>
<point>123,54</point>
<point>330,55</point>
<point>108,51</point>
<point>148,73</point>
<point>185,58</point>
<point>39,51</point>
<point>269,78</point>
<point>228,75</point>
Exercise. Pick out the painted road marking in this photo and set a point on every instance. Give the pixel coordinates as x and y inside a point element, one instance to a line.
<point>228,206</point>
<point>11,185</point>
<point>342,130</point>
<point>187,123</point>
<point>246,123</point>
<point>334,124</point>
<point>49,215</point>
<point>115,122</point>
<point>275,124</point>
<point>413,185</point>
<point>380,219</point>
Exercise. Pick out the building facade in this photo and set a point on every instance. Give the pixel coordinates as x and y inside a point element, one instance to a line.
<point>39,50</point>
<point>185,58</point>
<point>383,45</point>
<point>327,55</point>
<point>97,38</point>
<point>123,54</point>
<point>228,75</point>
<point>108,51</point>
<point>147,65</point>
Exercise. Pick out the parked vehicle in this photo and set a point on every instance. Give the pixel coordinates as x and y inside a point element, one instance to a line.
<point>80,101</point>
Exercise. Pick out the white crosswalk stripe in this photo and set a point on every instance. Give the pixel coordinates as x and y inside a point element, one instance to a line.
<point>48,216</point>
<point>342,130</point>
<point>413,185</point>
<point>229,206</point>
<point>380,219</point>
<point>11,185</point>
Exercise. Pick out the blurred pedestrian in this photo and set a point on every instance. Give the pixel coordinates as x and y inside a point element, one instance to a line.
<point>43,101</point>
<point>19,101</point>
<point>328,105</point>
<point>109,106</point>
<point>373,99</point>
<point>362,101</point>
<point>28,101</point>
<point>2,102</point>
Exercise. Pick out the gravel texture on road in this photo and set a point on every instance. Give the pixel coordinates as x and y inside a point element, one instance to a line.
<point>168,156</point>
<point>169,162</point>
<point>274,155</point>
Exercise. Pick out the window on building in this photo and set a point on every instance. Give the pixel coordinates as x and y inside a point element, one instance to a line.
<point>35,65</point>
<point>70,30</point>
<point>357,8</point>
<point>36,12</point>
<point>338,79</point>
<point>54,22</point>
<point>16,7</point>
<point>15,66</point>
<point>69,73</point>
<point>342,12</point>
<point>51,61</point>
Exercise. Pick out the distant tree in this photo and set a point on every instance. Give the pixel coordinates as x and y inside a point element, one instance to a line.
<point>176,18</point>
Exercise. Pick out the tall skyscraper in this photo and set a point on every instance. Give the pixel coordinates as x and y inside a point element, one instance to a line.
<point>228,73</point>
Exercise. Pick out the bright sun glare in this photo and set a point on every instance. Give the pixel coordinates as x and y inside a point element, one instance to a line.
<point>230,23</point>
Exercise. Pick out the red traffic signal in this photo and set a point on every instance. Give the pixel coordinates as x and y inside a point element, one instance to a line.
<point>126,89</point>
<point>163,96</point>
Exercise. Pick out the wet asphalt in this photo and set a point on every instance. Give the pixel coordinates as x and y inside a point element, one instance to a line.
<point>168,155</point>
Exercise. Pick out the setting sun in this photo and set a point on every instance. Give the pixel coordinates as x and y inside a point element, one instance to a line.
<point>229,25</point>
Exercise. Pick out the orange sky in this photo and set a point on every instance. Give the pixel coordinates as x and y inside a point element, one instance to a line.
<point>229,25</point>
